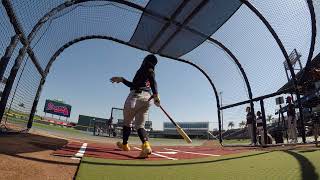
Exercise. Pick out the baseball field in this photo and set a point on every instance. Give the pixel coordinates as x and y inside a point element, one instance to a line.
<point>58,153</point>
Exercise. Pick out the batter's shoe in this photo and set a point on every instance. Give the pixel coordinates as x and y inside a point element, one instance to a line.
<point>123,147</point>
<point>145,151</point>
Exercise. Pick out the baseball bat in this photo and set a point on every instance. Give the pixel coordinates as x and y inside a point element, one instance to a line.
<point>179,129</point>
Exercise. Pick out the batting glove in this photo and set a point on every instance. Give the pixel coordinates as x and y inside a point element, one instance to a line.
<point>156,99</point>
<point>116,79</point>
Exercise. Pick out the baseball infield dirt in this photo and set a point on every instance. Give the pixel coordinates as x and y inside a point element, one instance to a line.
<point>28,156</point>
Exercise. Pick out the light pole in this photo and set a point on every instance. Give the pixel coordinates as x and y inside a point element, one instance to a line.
<point>220,93</point>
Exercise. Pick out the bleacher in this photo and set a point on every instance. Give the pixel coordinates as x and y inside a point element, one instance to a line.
<point>193,129</point>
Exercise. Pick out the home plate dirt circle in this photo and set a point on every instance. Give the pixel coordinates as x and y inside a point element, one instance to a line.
<point>110,151</point>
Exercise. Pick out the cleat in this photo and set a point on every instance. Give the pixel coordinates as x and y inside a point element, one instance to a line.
<point>145,151</point>
<point>123,147</point>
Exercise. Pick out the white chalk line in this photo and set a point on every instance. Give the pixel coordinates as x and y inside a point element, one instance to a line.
<point>81,151</point>
<point>159,155</point>
<point>186,152</point>
<point>170,152</point>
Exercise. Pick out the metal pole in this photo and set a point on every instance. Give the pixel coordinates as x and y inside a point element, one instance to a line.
<point>286,70</point>
<point>19,30</point>
<point>313,33</point>
<point>35,102</point>
<point>264,122</point>
<point>254,124</point>
<point>221,110</point>
<point>10,81</point>
<point>7,55</point>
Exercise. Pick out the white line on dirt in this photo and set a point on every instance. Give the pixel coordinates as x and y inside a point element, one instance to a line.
<point>159,155</point>
<point>170,152</point>
<point>81,151</point>
<point>186,152</point>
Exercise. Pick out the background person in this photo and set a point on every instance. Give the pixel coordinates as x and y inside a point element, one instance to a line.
<point>250,118</point>
<point>260,131</point>
<point>291,121</point>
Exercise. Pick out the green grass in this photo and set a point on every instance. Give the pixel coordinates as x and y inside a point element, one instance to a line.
<point>236,141</point>
<point>42,126</point>
<point>56,128</point>
<point>255,165</point>
<point>17,120</point>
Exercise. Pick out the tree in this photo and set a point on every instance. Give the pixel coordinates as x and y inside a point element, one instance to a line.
<point>231,124</point>
<point>242,124</point>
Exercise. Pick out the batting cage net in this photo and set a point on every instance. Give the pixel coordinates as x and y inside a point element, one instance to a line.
<point>249,51</point>
<point>117,117</point>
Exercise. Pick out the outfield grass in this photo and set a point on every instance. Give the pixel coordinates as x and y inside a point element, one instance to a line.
<point>133,139</point>
<point>236,141</point>
<point>16,120</point>
<point>57,128</point>
<point>255,165</point>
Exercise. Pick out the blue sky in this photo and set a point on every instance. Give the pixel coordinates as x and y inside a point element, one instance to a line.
<point>80,77</point>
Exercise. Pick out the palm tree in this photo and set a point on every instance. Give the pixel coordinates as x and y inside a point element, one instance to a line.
<point>242,124</point>
<point>231,124</point>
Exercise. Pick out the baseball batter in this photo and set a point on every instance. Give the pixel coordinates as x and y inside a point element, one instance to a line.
<point>137,103</point>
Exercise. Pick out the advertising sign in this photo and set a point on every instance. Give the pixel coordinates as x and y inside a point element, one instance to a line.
<point>57,108</point>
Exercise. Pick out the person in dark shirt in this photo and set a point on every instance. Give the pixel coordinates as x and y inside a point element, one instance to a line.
<point>316,126</point>
<point>260,131</point>
<point>249,125</point>
<point>137,103</point>
<point>291,121</point>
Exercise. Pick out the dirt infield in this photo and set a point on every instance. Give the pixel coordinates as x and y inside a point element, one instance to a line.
<point>27,156</point>
<point>109,151</point>
<point>30,156</point>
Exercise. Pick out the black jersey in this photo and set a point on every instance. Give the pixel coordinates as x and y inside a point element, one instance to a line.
<point>291,110</point>
<point>143,80</point>
<point>250,118</point>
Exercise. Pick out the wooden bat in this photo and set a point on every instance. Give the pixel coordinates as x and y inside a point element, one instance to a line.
<point>179,129</point>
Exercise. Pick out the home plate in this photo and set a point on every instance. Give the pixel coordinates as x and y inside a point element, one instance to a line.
<point>167,152</point>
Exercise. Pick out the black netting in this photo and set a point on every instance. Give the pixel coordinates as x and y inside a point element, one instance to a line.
<point>6,30</point>
<point>22,95</point>
<point>256,50</point>
<point>236,115</point>
<point>316,4</point>
<point>117,115</point>
<point>90,18</point>
<point>29,13</point>
<point>222,70</point>
<point>292,22</point>
<point>40,8</point>
<point>10,64</point>
<point>234,125</point>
